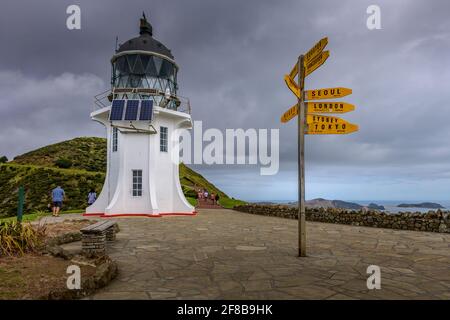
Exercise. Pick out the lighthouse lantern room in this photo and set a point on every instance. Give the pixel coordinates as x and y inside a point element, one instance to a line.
<point>141,115</point>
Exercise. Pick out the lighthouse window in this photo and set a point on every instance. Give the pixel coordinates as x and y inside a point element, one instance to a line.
<point>163,139</point>
<point>137,183</point>
<point>114,139</point>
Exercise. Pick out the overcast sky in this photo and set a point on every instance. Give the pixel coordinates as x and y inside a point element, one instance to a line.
<point>232,56</point>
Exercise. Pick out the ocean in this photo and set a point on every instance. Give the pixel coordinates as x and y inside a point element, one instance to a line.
<point>389,205</point>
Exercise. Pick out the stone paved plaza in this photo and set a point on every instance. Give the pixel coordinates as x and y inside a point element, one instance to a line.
<point>224,254</point>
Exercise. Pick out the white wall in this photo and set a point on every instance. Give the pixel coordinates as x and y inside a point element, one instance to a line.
<point>160,179</point>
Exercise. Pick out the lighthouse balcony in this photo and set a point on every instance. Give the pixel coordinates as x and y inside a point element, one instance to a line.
<point>160,99</point>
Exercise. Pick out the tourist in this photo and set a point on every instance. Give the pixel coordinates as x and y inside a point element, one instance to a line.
<point>217,198</point>
<point>58,197</point>
<point>205,195</point>
<point>92,196</point>
<point>213,198</point>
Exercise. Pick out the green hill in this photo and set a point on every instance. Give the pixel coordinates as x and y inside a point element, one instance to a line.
<point>77,165</point>
<point>86,153</point>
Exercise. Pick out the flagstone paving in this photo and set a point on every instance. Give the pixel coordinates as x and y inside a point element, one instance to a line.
<point>224,254</point>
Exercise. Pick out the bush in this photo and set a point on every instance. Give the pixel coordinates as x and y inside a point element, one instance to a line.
<point>18,238</point>
<point>63,163</point>
<point>190,193</point>
<point>3,159</point>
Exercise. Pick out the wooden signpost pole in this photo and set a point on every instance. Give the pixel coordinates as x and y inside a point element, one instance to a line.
<point>317,124</point>
<point>301,121</point>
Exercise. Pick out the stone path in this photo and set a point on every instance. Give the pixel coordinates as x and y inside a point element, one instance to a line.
<point>224,254</point>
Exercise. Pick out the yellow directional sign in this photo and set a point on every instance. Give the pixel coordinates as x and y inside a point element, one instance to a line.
<point>294,71</point>
<point>292,85</point>
<point>318,107</point>
<point>315,50</point>
<point>317,118</point>
<point>316,62</point>
<point>318,47</point>
<point>329,107</point>
<point>291,113</point>
<point>333,126</point>
<point>327,93</point>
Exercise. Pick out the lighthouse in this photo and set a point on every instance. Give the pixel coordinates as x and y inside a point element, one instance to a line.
<point>142,114</point>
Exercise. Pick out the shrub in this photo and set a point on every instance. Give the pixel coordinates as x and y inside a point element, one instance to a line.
<point>190,193</point>
<point>18,238</point>
<point>3,159</point>
<point>63,163</point>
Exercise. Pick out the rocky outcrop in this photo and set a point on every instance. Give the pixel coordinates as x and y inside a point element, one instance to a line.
<point>426,205</point>
<point>438,221</point>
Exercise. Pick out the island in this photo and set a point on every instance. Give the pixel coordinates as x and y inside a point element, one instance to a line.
<point>375,206</point>
<point>326,204</point>
<point>426,205</point>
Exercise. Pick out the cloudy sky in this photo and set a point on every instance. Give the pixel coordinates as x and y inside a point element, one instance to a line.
<point>233,55</point>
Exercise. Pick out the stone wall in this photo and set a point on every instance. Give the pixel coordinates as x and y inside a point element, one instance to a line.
<point>432,221</point>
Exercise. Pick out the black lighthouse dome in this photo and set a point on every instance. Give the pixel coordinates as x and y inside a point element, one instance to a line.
<point>144,62</point>
<point>145,41</point>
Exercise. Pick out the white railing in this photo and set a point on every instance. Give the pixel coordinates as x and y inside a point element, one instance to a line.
<point>101,100</point>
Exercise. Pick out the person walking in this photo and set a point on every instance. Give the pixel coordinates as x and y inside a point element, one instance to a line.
<point>58,197</point>
<point>217,199</point>
<point>92,196</point>
<point>205,194</point>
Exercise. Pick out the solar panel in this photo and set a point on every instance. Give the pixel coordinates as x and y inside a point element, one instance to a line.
<point>146,110</point>
<point>116,110</point>
<point>132,110</point>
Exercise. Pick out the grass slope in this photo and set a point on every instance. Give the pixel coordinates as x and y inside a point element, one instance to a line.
<point>85,153</point>
<point>38,172</point>
<point>38,181</point>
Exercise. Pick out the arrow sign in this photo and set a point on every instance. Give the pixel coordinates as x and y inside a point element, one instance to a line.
<point>291,113</point>
<point>313,118</point>
<point>316,62</point>
<point>318,107</point>
<point>329,107</point>
<point>326,93</point>
<point>315,50</point>
<point>333,126</point>
<point>292,85</point>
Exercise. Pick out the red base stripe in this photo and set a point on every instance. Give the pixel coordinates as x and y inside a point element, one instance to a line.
<point>148,215</point>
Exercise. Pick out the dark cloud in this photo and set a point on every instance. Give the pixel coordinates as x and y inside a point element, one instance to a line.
<point>233,55</point>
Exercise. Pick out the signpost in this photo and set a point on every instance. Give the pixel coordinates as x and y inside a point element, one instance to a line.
<point>301,124</point>
<point>309,121</point>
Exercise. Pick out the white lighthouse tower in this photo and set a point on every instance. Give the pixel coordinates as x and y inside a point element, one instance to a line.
<point>141,116</point>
